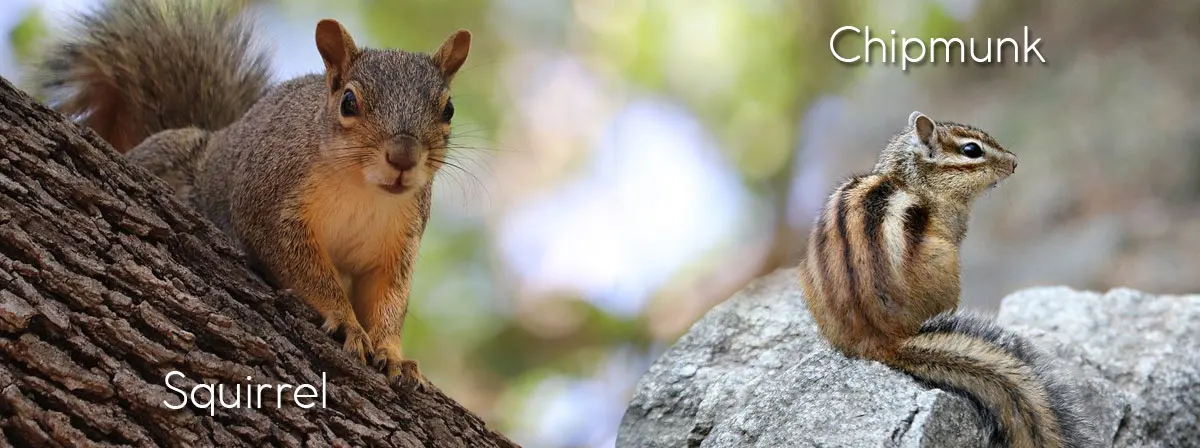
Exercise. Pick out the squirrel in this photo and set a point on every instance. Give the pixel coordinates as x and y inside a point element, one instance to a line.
<point>880,275</point>
<point>324,180</point>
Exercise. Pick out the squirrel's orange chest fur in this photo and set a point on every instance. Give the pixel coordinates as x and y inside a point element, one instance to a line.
<point>359,226</point>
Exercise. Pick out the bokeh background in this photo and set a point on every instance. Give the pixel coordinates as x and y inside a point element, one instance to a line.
<point>624,165</point>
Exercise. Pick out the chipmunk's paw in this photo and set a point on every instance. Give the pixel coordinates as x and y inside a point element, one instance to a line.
<point>355,339</point>
<point>404,372</point>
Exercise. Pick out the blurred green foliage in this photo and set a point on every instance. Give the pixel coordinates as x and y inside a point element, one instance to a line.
<point>25,35</point>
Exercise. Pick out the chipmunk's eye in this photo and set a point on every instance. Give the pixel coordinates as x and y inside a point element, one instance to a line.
<point>971,150</point>
<point>448,112</point>
<point>349,104</point>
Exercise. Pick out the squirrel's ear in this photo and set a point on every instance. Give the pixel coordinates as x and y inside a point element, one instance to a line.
<point>453,52</point>
<point>337,49</point>
<point>923,128</point>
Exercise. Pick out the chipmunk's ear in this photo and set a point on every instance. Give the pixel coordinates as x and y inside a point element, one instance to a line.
<point>337,49</point>
<point>922,128</point>
<point>453,53</point>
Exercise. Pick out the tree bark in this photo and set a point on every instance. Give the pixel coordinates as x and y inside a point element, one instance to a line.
<point>108,283</point>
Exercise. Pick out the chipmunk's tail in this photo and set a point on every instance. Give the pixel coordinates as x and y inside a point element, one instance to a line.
<point>1004,376</point>
<point>132,68</point>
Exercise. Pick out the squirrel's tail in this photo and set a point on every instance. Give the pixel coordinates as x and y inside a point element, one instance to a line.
<point>1003,375</point>
<point>136,67</point>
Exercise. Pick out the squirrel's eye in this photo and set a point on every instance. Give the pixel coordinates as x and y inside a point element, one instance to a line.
<point>448,112</point>
<point>349,104</point>
<point>971,150</point>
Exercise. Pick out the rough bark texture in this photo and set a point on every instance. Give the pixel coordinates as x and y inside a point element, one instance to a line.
<point>107,283</point>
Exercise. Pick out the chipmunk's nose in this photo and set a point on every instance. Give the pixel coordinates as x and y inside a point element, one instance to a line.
<point>402,154</point>
<point>1012,163</point>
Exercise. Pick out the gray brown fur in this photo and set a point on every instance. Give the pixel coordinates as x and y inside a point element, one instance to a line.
<point>97,75</point>
<point>882,261</point>
<point>328,205</point>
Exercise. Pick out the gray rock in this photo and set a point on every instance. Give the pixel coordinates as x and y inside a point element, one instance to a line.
<point>1148,346</point>
<point>754,371</point>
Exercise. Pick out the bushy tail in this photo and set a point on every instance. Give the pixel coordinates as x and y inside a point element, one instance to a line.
<point>1004,376</point>
<point>136,67</point>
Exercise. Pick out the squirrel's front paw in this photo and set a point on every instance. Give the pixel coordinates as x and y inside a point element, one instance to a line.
<point>404,372</point>
<point>407,375</point>
<point>356,340</point>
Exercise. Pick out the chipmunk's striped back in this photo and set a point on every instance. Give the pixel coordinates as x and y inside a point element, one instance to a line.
<point>881,279</point>
<point>875,245</point>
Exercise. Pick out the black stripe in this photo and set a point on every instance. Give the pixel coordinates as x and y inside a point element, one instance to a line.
<point>985,329</point>
<point>842,209</point>
<point>916,221</point>
<point>965,167</point>
<point>875,205</point>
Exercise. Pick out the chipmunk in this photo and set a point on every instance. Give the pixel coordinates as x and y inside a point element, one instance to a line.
<point>325,180</point>
<point>881,278</point>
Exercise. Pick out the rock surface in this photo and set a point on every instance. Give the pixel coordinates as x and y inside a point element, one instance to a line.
<point>755,372</point>
<point>1148,346</point>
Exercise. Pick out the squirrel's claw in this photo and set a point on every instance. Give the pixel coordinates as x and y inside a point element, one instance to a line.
<point>403,372</point>
<point>407,375</point>
<point>356,340</point>
<point>358,344</point>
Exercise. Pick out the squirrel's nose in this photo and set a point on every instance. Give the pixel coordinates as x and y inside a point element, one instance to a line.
<point>402,155</point>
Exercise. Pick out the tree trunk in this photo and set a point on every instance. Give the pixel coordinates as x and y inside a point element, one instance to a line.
<point>107,284</point>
